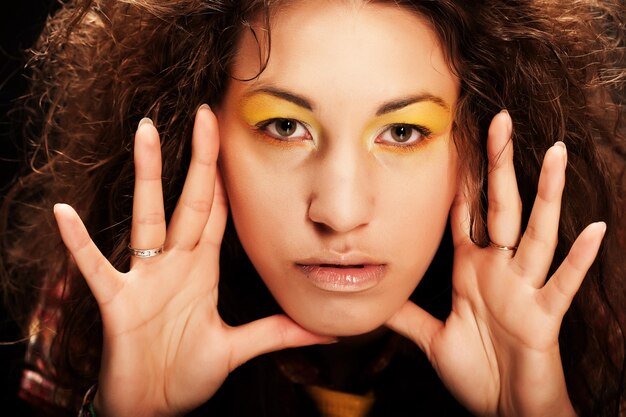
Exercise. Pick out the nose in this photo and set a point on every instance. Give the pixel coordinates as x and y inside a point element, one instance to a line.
<point>342,195</point>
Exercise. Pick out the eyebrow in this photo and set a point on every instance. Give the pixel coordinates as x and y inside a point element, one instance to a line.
<point>387,107</point>
<point>285,95</point>
<point>404,102</point>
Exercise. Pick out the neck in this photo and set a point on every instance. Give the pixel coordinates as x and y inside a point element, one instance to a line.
<point>350,365</point>
<point>347,365</point>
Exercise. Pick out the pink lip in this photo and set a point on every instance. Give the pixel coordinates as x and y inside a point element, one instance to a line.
<point>344,278</point>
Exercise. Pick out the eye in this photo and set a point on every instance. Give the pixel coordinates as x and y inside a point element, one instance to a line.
<point>285,129</point>
<point>403,135</point>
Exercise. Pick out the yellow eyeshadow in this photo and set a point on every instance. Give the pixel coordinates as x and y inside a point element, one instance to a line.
<point>407,149</point>
<point>262,106</point>
<point>427,114</point>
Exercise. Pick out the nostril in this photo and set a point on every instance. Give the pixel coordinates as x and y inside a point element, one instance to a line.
<point>340,206</point>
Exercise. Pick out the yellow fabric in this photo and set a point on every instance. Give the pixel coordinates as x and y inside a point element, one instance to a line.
<point>340,404</point>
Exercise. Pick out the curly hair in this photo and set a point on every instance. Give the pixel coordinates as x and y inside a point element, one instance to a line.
<point>558,67</point>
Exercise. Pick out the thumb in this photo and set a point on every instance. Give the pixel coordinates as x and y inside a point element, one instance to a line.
<point>416,324</point>
<point>268,335</point>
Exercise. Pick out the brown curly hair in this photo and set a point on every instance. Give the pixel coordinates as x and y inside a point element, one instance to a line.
<point>558,67</point>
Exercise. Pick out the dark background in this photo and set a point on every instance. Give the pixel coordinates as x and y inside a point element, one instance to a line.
<point>21,21</point>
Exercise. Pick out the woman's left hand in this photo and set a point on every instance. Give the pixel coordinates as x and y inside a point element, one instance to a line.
<point>498,351</point>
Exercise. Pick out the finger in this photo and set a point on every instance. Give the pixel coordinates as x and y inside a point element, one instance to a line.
<point>537,246</point>
<point>460,220</point>
<point>196,200</point>
<point>214,230</point>
<point>268,335</point>
<point>556,296</point>
<point>103,280</point>
<point>148,224</point>
<point>416,324</point>
<point>504,215</point>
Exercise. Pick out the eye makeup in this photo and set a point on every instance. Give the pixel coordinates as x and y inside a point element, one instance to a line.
<point>428,117</point>
<point>259,108</point>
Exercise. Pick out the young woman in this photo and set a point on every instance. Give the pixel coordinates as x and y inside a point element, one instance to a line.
<point>421,197</point>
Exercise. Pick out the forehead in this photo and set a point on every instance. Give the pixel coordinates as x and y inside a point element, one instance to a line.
<point>346,50</point>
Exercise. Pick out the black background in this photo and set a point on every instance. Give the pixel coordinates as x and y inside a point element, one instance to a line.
<point>21,22</point>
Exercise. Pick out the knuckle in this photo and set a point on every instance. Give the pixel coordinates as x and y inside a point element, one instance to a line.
<point>212,242</point>
<point>148,177</point>
<point>207,161</point>
<point>156,218</point>
<point>201,206</point>
<point>519,267</point>
<point>82,242</point>
<point>282,331</point>
<point>98,266</point>
<point>575,267</point>
<point>560,290</point>
<point>543,198</point>
<point>497,205</point>
<point>219,198</point>
<point>539,238</point>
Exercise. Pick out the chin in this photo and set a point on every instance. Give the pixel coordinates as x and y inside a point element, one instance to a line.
<point>339,325</point>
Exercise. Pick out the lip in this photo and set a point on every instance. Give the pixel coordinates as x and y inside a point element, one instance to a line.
<point>343,274</point>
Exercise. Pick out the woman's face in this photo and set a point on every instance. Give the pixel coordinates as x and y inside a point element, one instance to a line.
<point>338,160</point>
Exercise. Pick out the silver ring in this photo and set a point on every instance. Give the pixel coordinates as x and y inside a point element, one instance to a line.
<point>502,247</point>
<point>145,253</point>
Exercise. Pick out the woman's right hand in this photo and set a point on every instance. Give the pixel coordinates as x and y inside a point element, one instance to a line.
<point>165,348</point>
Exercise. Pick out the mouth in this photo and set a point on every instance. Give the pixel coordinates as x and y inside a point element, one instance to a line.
<point>341,277</point>
<point>342,266</point>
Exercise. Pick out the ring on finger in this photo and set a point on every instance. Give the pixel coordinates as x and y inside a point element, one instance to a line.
<point>502,247</point>
<point>145,253</point>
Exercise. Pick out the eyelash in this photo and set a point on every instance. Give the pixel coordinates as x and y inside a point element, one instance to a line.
<point>263,126</point>
<point>424,132</point>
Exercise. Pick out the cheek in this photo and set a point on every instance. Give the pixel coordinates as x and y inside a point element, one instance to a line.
<point>416,212</point>
<point>414,203</point>
<point>415,237</point>
<point>265,195</point>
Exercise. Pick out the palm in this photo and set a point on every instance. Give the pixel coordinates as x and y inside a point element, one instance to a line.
<point>169,307</point>
<point>165,348</point>
<point>498,350</point>
<point>484,325</point>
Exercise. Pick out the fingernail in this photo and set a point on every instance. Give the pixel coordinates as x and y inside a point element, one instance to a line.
<point>330,342</point>
<point>145,120</point>
<point>602,225</point>
<point>204,106</point>
<point>561,145</point>
<point>509,121</point>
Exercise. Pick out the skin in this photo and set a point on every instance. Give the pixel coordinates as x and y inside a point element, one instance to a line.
<point>165,348</point>
<point>340,185</point>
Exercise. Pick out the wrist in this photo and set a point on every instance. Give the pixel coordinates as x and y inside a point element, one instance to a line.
<point>92,406</point>
<point>562,410</point>
<point>534,385</point>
